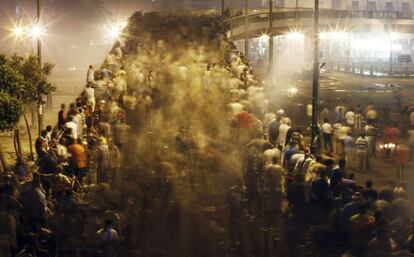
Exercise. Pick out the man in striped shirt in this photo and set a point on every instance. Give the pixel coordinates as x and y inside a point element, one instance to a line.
<point>362,152</point>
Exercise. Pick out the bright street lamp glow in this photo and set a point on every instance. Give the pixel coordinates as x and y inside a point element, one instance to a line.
<point>264,37</point>
<point>115,29</point>
<point>292,91</point>
<point>394,35</point>
<point>114,32</point>
<point>18,31</point>
<point>36,31</point>
<point>335,35</point>
<point>296,35</point>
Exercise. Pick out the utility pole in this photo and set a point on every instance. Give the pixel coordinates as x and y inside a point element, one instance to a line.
<point>297,9</point>
<point>246,21</point>
<point>271,42</point>
<point>39,59</point>
<point>315,82</point>
<point>222,8</point>
<point>391,57</point>
<point>231,19</point>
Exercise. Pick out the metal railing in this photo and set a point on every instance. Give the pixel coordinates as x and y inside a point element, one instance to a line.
<point>306,13</point>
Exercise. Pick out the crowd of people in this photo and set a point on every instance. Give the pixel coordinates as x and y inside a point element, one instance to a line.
<point>172,142</point>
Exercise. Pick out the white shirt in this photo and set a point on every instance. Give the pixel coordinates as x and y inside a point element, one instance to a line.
<point>235,108</point>
<point>90,75</point>
<point>371,115</point>
<point>327,128</point>
<point>90,93</point>
<point>269,154</point>
<point>283,129</point>
<point>350,118</point>
<point>74,129</point>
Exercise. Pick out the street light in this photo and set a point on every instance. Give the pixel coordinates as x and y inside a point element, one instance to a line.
<point>36,31</point>
<point>296,35</point>
<point>315,80</point>
<point>18,31</point>
<point>116,28</point>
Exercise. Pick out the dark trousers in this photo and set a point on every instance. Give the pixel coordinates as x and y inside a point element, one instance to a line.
<point>327,142</point>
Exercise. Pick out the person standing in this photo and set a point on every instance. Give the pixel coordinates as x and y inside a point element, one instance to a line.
<point>371,115</point>
<point>114,163</point>
<point>349,150</point>
<point>371,137</point>
<point>362,152</point>
<point>41,145</point>
<point>327,136</point>
<point>73,127</point>
<point>108,239</point>
<point>62,116</point>
<point>90,75</point>
<point>103,161</point>
<point>411,142</point>
<point>89,94</point>
<point>283,130</point>
<point>78,159</point>
<point>400,160</point>
<point>350,118</point>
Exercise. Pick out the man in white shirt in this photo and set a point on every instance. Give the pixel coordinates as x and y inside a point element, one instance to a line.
<point>89,94</point>
<point>327,136</point>
<point>350,118</point>
<point>90,75</point>
<point>73,127</point>
<point>283,129</point>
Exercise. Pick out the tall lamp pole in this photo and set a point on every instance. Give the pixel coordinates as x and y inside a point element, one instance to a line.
<point>231,19</point>
<point>271,41</point>
<point>39,59</point>
<point>246,20</point>
<point>315,82</point>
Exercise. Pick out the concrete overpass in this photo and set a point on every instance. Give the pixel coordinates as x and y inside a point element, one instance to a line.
<point>379,23</point>
<point>286,20</point>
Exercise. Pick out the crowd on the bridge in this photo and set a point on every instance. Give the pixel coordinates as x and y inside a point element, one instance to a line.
<point>75,198</point>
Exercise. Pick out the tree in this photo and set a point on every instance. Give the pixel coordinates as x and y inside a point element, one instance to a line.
<point>26,81</point>
<point>11,109</point>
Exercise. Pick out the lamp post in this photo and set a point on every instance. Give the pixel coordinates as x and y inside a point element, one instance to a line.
<point>231,19</point>
<point>297,9</point>
<point>246,20</point>
<point>315,81</point>
<point>271,41</point>
<point>39,59</point>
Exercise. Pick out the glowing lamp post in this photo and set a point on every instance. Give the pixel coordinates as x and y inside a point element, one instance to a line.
<point>18,31</point>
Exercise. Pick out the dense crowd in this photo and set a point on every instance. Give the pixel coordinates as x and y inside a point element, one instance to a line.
<point>173,143</point>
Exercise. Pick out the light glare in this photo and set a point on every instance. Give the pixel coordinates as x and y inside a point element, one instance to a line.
<point>296,35</point>
<point>37,31</point>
